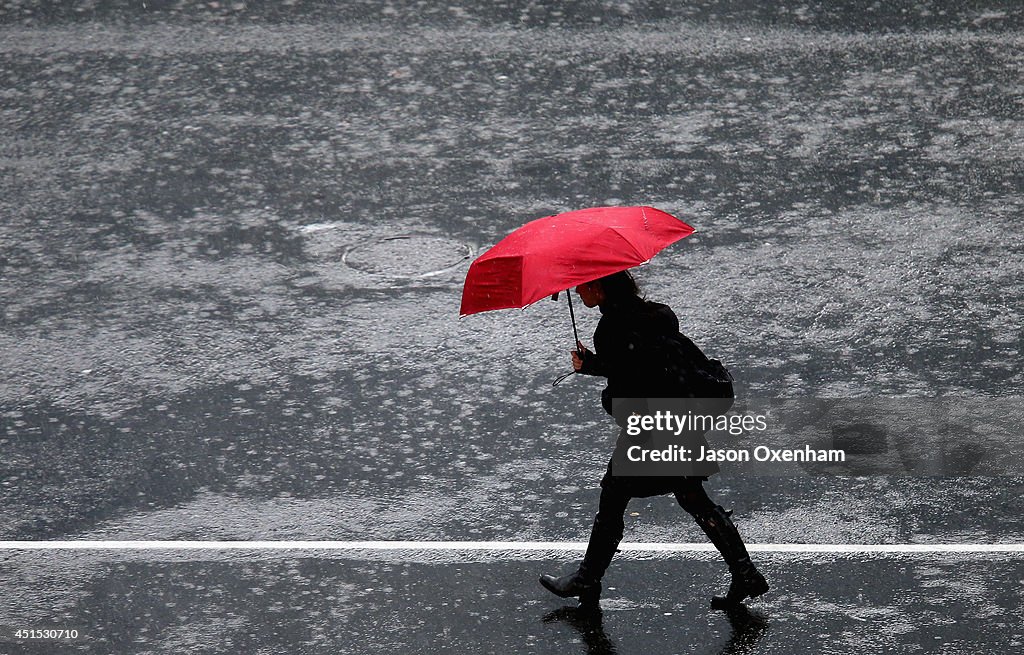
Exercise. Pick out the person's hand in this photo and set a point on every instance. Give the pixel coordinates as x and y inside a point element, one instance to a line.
<point>578,355</point>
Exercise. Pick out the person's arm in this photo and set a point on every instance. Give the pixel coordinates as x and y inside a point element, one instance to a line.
<point>614,342</point>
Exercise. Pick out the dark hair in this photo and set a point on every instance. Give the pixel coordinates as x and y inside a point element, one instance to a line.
<point>619,287</point>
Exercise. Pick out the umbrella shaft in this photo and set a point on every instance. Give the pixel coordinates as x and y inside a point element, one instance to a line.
<point>572,315</point>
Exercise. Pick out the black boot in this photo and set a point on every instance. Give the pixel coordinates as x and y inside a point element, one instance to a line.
<point>576,584</point>
<point>605,535</point>
<point>585,583</point>
<point>747,581</point>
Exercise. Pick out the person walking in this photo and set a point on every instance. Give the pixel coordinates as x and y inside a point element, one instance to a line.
<point>631,325</point>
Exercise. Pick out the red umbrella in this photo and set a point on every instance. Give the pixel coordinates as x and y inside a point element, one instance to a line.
<point>558,252</point>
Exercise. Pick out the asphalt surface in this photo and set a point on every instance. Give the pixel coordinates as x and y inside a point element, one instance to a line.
<point>209,330</point>
<point>321,603</point>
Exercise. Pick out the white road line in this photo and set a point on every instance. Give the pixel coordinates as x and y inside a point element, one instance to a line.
<point>499,546</point>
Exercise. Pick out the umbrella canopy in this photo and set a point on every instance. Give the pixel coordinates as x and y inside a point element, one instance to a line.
<point>558,252</point>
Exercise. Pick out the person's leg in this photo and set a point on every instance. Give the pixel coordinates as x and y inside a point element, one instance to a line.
<point>605,535</point>
<point>606,532</point>
<point>747,581</point>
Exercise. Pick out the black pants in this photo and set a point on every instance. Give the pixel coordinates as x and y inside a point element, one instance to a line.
<point>617,491</point>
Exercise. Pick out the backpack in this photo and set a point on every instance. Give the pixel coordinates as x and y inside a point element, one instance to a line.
<point>686,372</point>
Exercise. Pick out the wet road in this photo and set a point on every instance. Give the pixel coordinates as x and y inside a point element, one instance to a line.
<point>209,331</point>
<point>300,602</point>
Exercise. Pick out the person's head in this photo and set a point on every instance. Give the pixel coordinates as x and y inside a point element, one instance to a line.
<point>614,288</point>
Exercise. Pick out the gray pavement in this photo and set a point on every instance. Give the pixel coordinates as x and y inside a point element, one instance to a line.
<point>208,329</point>
<point>322,603</point>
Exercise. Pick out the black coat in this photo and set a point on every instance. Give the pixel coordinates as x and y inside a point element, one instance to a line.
<point>629,351</point>
<point>625,347</point>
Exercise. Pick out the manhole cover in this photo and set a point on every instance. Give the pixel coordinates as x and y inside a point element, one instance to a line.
<point>409,256</point>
